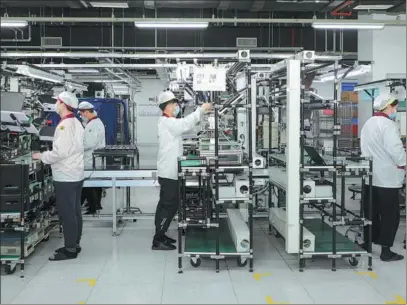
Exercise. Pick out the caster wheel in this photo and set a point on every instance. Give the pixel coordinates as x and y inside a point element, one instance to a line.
<point>45,239</point>
<point>195,262</point>
<point>353,262</point>
<point>10,270</point>
<point>241,262</point>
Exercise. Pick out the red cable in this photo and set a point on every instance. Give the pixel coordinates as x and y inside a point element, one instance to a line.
<point>336,12</point>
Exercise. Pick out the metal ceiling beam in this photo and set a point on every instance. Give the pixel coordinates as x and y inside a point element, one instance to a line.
<point>174,56</point>
<point>258,5</point>
<point>224,4</point>
<point>210,20</point>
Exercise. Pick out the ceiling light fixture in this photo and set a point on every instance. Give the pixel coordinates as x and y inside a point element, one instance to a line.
<point>83,71</point>
<point>13,23</point>
<point>373,6</point>
<point>347,26</point>
<point>171,24</point>
<point>109,4</point>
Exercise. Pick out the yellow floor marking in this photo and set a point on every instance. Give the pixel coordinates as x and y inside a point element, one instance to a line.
<point>399,300</point>
<point>269,300</point>
<point>370,273</point>
<point>258,276</point>
<point>82,302</point>
<point>91,282</point>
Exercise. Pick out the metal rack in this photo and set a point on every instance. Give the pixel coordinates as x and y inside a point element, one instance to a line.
<point>27,210</point>
<point>340,247</point>
<point>209,228</point>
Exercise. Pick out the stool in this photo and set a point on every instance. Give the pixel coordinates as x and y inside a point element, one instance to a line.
<point>355,189</point>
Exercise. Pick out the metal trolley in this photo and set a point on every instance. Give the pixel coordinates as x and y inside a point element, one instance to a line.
<point>202,231</point>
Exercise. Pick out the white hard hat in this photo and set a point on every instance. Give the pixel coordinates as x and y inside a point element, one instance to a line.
<point>166,96</point>
<point>68,99</point>
<point>85,106</point>
<point>383,100</point>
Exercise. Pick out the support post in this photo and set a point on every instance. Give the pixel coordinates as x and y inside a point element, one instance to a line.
<point>293,155</point>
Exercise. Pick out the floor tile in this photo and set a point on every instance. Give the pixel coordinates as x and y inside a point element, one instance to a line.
<point>197,293</point>
<point>274,290</point>
<point>61,294</point>
<point>340,288</point>
<point>11,286</point>
<point>132,293</point>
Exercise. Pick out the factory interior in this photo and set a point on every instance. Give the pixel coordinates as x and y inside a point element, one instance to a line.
<point>203,152</point>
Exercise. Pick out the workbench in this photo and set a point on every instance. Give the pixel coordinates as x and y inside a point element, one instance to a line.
<point>112,176</point>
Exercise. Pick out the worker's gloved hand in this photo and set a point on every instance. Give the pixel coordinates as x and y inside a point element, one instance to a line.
<point>206,106</point>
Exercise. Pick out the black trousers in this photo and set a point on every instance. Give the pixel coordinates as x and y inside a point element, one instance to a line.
<point>385,214</point>
<point>94,197</point>
<point>167,206</point>
<point>68,202</point>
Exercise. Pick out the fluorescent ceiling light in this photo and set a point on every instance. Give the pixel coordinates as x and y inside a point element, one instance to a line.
<point>171,24</point>
<point>105,81</point>
<point>38,74</point>
<point>109,4</point>
<point>363,69</point>
<point>83,71</point>
<point>13,23</point>
<point>373,6</point>
<point>347,26</point>
<point>76,86</point>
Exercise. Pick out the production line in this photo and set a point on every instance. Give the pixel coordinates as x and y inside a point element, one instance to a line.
<point>236,167</point>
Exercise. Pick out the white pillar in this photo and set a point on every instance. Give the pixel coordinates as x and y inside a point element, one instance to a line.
<point>292,240</point>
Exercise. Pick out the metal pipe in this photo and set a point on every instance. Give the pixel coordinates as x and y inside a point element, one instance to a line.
<point>140,55</point>
<point>195,49</point>
<point>22,39</point>
<point>49,19</point>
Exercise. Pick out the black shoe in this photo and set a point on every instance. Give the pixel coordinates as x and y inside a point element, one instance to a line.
<point>162,245</point>
<point>169,239</point>
<point>78,249</point>
<point>63,255</point>
<point>391,257</point>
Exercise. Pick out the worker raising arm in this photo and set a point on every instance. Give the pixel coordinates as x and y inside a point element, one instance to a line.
<point>66,159</point>
<point>95,138</point>
<point>170,130</point>
<point>380,140</point>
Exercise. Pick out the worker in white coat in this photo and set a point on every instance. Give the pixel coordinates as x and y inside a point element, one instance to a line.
<point>94,138</point>
<point>66,160</point>
<point>170,130</point>
<point>380,140</point>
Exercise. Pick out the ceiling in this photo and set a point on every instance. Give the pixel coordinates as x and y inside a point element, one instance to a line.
<point>240,5</point>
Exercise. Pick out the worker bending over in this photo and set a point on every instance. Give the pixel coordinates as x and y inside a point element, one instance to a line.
<point>66,159</point>
<point>380,139</point>
<point>94,138</point>
<point>170,130</point>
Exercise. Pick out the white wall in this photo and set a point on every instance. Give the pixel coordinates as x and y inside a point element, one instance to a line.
<point>147,114</point>
<point>387,49</point>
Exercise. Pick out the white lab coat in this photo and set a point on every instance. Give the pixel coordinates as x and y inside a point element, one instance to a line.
<point>380,139</point>
<point>170,132</point>
<point>66,157</point>
<point>95,138</point>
